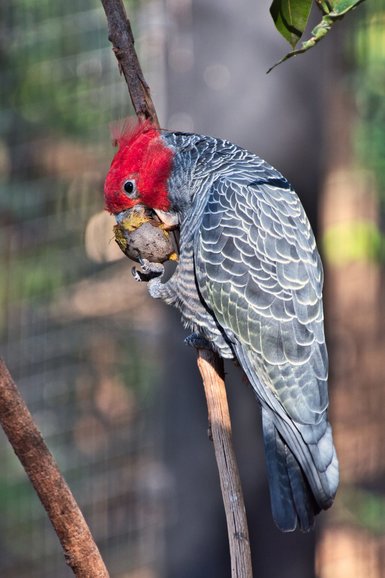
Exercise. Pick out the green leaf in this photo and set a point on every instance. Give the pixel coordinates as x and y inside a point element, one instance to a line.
<point>290,18</point>
<point>339,9</point>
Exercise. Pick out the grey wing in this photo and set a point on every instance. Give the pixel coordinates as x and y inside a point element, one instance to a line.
<point>259,272</point>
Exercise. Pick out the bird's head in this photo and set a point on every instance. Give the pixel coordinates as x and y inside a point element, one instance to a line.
<point>140,169</point>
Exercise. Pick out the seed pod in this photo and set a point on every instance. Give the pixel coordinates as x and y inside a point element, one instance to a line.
<point>139,233</point>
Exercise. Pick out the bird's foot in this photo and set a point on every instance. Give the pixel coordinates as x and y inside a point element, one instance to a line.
<point>198,342</point>
<point>148,271</point>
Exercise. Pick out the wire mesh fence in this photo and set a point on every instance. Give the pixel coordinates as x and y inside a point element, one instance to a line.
<point>82,340</point>
<point>69,332</point>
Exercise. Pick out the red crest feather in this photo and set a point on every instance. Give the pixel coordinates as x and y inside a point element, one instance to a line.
<point>142,156</point>
<point>125,129</point>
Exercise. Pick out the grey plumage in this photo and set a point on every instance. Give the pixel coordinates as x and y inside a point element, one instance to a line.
<point>249,280</point>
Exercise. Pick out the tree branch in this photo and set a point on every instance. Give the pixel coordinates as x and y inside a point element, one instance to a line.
<point>80,550</point>
<point>211,369</point>
<point>209,363</point>
<point>122,40</point>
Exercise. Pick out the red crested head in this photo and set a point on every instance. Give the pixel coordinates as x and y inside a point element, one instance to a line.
<point>140,169</point>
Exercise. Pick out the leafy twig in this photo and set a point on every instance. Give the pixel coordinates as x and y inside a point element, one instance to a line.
<point>337,10</point>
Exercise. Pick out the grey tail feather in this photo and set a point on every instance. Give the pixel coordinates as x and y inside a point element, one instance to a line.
<point>292,501</point>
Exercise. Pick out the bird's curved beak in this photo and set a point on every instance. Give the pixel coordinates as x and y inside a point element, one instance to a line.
<point>170,220</point>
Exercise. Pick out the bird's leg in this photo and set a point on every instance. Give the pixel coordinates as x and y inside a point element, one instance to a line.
<point>148,271</point>
<point>153,273</point>
<point>198,341</point>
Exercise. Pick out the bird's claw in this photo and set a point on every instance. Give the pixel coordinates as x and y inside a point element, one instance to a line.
<point>147,270</point>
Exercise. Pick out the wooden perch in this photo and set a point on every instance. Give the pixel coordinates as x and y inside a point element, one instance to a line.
<point>209,363</point>
<point>80,550</point>
<point>211,369</point>
<point>122,40</point>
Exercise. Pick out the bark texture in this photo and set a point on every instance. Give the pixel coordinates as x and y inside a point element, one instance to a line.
<point>80,550</point>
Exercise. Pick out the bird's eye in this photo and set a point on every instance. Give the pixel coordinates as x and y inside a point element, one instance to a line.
<point>129,187</point>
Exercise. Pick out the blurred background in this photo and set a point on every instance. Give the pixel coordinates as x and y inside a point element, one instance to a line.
<point>103,368</point>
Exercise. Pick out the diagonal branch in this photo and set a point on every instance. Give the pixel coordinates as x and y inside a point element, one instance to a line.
<point>209,363</point>
<point>80,550</point>
<point>122,40</point>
